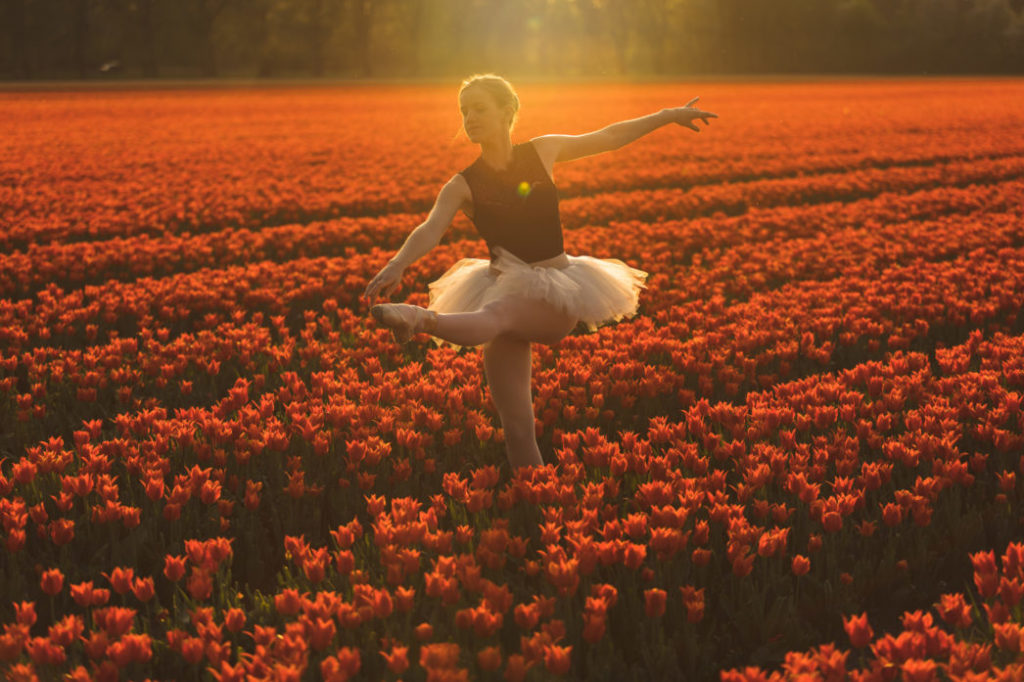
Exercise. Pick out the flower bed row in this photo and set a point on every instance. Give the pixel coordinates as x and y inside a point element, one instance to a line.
<point>733,198</point>
<point>77,264</point>
<point>123,373</point>
<point>187,298</point>
<point>160,163</point>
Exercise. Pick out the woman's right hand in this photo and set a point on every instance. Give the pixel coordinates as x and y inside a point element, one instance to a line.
<point>384,283</point>
<point>686,115</point>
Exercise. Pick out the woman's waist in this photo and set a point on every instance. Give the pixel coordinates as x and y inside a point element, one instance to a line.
<point>503,257</point>
<point>560,261</point>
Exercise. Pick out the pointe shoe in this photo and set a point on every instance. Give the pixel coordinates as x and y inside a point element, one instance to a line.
<point>404,320</point>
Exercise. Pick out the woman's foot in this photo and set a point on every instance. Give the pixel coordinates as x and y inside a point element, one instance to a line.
<point>404,320</point>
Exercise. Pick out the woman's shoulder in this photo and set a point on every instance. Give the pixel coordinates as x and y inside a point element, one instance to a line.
<point>458,188</point>
<point>544,153</point>
<point>458,184</point>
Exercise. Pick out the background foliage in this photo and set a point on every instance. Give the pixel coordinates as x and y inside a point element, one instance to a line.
<point>435,38</point>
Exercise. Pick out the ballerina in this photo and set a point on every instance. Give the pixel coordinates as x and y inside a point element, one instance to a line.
<point>530,290</point>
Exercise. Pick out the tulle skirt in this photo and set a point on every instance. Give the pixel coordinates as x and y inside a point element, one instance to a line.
<point>594,290</point>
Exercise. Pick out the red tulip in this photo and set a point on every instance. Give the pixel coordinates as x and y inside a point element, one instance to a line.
<point>557,659</point>
<point>516,667</point>
<point>320,632</point>
<point>25,613</point>
<point>200,583</point>
<point>858,629</point>
<point>234,619</point>
<point>397,659</point>
<point>52,581</point>
<point>986,575</point>
<point>489,658</point>
<point>121,579</point>
<point>654,602</point>
<point>174,567</point>
<point>288,601</point>
<point>115,620</point>
<point>954,610</point>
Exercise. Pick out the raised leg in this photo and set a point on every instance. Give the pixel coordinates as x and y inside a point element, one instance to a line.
<point>508,364</point>
<point>527,319</point>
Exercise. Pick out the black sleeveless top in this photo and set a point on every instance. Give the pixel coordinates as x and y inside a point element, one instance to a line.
<point>516,208</point>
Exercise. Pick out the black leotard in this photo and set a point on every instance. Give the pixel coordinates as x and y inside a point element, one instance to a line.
<point>517,208</point>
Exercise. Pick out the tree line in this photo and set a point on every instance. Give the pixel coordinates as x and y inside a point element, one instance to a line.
<point>443,38</point>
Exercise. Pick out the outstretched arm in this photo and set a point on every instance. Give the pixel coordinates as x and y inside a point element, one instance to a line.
<point>569,147</point>
<point>425,237</point>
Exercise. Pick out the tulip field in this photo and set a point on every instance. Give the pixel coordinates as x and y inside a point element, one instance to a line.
<point>801,459</point>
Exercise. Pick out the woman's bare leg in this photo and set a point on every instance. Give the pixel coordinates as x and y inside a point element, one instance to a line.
<point>528,319</point>
<point>507,327</point>
<point>507,363</point>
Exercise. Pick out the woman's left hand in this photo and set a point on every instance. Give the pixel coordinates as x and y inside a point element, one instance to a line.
<point>686,115</point>
<point>384,283</point>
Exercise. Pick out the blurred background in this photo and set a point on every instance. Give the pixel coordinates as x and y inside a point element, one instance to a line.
<point>127,39</point>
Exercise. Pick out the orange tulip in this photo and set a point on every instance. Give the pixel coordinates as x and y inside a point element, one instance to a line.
<point>489,658</point>
<point>200,583</point>
<point>516,667</point>
<point>234,619</point>
<point>557,659</point>
<point>25,613</point>
<point>654,602</point>
<point>858,629</point>
<point>121,579</point>
<point>52,581</point>
<point>174,567</point>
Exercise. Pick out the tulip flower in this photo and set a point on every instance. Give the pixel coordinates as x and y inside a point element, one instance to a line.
<point>557,659</point>
<point>52,581</point>
<point>654,602</point>
<point>859,630</point>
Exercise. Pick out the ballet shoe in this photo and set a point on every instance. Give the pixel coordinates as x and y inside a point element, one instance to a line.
<point>404,320</point>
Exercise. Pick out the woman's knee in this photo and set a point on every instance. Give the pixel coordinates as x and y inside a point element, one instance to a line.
<point>532,319</point>
<point>553,326</point>
<point>501,314</point>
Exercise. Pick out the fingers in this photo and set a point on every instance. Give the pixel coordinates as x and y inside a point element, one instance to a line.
<point>371,292</point>
<point>696,114</point>
<point>377,288</point>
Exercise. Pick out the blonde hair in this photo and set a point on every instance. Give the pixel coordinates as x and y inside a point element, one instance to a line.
<point>499,88</point>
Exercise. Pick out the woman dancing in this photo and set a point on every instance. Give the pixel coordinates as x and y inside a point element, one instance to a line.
<point>530,290</point>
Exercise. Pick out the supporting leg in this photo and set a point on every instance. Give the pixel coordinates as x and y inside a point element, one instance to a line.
<point>506,328</point>
<point>508,364</point>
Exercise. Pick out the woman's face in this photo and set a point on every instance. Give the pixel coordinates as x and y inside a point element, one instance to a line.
<point>482,118</point>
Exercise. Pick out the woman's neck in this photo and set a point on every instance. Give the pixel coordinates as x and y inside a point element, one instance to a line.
<point>497,153</point>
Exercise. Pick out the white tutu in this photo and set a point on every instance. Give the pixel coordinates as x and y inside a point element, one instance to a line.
<point>594,290</point>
